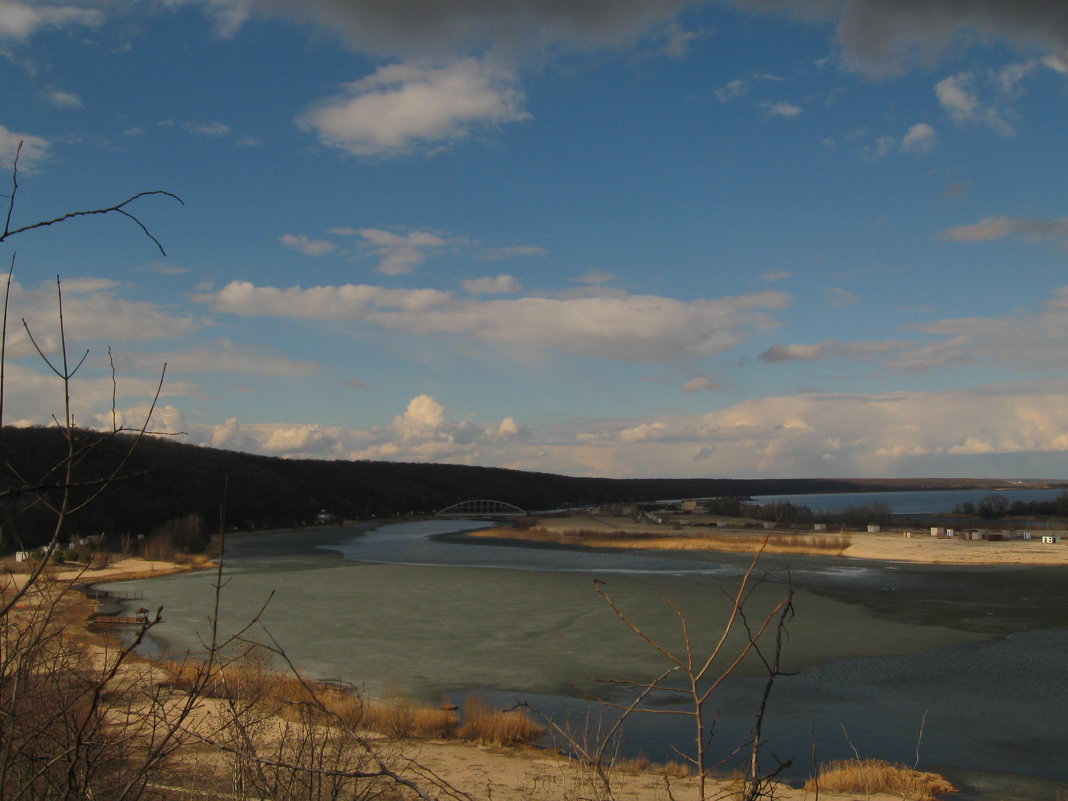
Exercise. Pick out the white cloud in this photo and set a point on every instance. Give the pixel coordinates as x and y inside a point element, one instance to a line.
<point>920,138</point>
<point>397,253</point>
<point>959,97</point>
<point>782,109</point>
<point>404,108</point>
<point>733,90</point>
<point>65,99</point>
<point>92,314</point>
<point>222,356</point>
<point>839,298</point>
<point>21,20</point>
<point>610,325</point>
<point>699,384</point>
<point>207,128</point>
<point>33,151</point>
<point>594,278</point>
<point>775,276</point>
<point>309,247</point>
<point>423,432</point>
<point>883,434</point>
<point>1031,229</point>
<point>675,40</point>
<point>899,433</point>
<point>492,285</point>
<point>493,254</point>
<point>1027,340</point>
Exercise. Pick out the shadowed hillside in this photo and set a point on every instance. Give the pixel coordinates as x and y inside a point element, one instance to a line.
<point>164,480</point>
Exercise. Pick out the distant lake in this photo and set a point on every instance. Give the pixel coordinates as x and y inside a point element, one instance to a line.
<point>911,502</point>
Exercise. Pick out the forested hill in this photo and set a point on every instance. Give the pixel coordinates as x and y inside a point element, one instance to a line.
<point>163,479</point>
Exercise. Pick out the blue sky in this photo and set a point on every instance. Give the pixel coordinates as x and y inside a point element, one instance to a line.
<point>627,238</point>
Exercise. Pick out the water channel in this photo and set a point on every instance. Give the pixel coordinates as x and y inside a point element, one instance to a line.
<point>974,654</point>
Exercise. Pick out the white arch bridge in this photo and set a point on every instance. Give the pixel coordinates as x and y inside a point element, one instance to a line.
<point>481,508</point>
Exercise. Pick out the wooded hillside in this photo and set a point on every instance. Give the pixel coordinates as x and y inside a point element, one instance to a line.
<point>164,479</point>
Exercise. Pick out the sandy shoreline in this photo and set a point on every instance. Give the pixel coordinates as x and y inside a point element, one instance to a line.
<point>483,773</point>
<point>921,547</point>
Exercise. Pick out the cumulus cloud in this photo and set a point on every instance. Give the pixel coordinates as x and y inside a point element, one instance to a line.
<point>424,432</point>
<point>33,150</point>
<point>919,139</point>
<point>610,325</point>
<point>828,434</point>
<point>404,108</point>
<point>959,97</point>
<point>886,36</point>
<point>492,285</point>
<point>307,246</point>
<point>812,434</point>
<point>20,20</point>
<point>92,313</point>
<point>397,254</point>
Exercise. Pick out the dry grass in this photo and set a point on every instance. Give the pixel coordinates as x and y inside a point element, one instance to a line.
<point>403,718</point>
<point>871,776</point>
<point>483,724</point>
<point>642,764</point>
<point>825,544</point>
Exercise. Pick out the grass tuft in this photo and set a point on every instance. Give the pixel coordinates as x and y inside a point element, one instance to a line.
<point>483,724</point>
<point>871,776</point>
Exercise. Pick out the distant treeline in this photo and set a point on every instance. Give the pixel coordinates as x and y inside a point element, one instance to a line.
<point>995,506</point>
<point>788,514</point>
<point>163,481</point>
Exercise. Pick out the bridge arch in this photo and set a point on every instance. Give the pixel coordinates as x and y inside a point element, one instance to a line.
<point>481,508</point>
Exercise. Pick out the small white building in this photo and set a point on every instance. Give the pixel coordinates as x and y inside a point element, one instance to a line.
<point>1051,539</point>
<point>819,527</point>
<point>938,531</point>
<point>873,529</point>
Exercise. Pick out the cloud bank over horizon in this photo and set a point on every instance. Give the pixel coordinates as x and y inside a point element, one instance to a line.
<point>677,238</point>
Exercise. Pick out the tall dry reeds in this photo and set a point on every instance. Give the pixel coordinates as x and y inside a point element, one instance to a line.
<point>820,544</point>
<point>486,725</point>
<point>870,776</point>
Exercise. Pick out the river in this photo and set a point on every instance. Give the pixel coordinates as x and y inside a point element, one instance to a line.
<point>973,654</point>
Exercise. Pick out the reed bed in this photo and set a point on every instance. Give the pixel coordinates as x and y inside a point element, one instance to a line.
<point>822,544</point>
<point>871,776</point>
<point>486,725</point>
<point>403,718</point>
<point>642,764</point>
